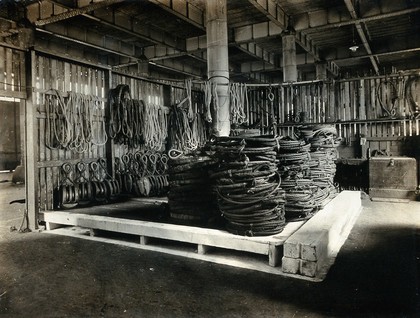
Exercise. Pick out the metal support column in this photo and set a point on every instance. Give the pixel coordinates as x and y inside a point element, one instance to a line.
<point>218,64</point>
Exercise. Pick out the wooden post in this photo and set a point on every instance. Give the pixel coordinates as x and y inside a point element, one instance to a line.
<point>362,113</point>
<point>321,70</point>
<point>274,255</point>
<point>109,147</point>
<point>31,144</point>
<point>203,249</point>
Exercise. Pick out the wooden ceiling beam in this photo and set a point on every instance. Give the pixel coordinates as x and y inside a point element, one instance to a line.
<point>272,11</point>
<point>104,47</point>
<point>134,28</point>
<point>70,13</point>
<point>353,58</point>
<point>323,20</point>
<point>184,10</point>
<point>362,35</point>
<point>278,17</point>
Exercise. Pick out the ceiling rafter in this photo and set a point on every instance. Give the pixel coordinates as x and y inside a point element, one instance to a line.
<point>352,58</point>
<point>70,13</point>
<point>185,11</point>
<point>256,51</point>
<point>302,22</point>
<point>272,11</point>
<point>84,42</point>
<point>278,16</point>
<point>362,35</point>
<point>147,34</point>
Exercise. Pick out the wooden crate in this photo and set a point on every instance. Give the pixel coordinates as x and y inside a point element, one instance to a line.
<point>392,177</point>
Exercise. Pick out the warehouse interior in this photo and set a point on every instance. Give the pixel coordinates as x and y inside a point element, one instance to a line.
<point>160,157</point>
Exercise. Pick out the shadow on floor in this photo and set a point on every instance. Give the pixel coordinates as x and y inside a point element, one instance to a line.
<point>375,275</point>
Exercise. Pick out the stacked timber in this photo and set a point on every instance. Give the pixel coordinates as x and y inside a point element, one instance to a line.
<point>190,198</point>
<point>247,183</point>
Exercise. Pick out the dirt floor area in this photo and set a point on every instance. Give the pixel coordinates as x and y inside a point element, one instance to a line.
<point>45,275</point>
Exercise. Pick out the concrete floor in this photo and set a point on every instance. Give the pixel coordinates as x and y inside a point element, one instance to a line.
<point>43,275</point>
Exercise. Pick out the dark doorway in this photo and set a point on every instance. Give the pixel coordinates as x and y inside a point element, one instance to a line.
<point>10,147</point>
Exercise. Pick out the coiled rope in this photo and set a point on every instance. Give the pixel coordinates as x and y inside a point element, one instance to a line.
<point>72,121</point>
<point>248,186</point>
<point>187,127</point>
<point>238,103</point>
<point>190,198</point>
<point>293,165</point>
<point>135,122</point>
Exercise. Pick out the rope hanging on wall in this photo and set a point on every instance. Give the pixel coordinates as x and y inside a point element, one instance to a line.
<point>142,174</point>
<point>187,127</point>
<point>135,122</point>
<point>238,103</point>
<point>409,95</point>
<point>74,122</point>
<point>387,95</point>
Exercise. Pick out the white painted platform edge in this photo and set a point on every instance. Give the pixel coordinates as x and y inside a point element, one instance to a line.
<point>256,265</point>
<point>188,234</point>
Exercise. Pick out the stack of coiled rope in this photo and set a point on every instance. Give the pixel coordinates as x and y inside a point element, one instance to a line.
<point>248,185</point>
<point>324,143</point>
<point>191,199</point>
<point>293,164</point>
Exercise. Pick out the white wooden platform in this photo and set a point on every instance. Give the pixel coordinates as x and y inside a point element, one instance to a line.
<point>203,238</point>
<point>221,247</point>
<point>312,249</point>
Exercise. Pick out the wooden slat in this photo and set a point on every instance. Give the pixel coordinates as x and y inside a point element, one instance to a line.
<point>333,103</point>
<point>2,68</point>
<point>373,99</point>
<point>324,102</point>
<point>31,140</point>
<point>15,71</point>
<point>280,106</point>
<point>352,98</point>
<point>339,102</point>
<point>9,69</point>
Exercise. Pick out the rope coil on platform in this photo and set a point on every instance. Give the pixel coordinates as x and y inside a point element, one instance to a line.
<point>248,186</point>
<point>191,199</point>
<point>293,164</point>
<point>324,142</point>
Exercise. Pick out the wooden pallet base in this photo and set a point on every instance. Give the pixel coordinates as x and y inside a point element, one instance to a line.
<point>211,245</point>
<point>202,237</point>
<point>226,257</point>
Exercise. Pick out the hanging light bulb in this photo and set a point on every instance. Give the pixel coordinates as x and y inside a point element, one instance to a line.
<point>354,47</point>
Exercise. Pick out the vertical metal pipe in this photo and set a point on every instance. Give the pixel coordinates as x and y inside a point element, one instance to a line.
<point>289,58</point>
<point>218,63</point>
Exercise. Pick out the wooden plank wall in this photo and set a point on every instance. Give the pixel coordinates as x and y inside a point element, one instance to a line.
<point>64,76</point>
<point>12,72</point>
<point>353,106</point>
